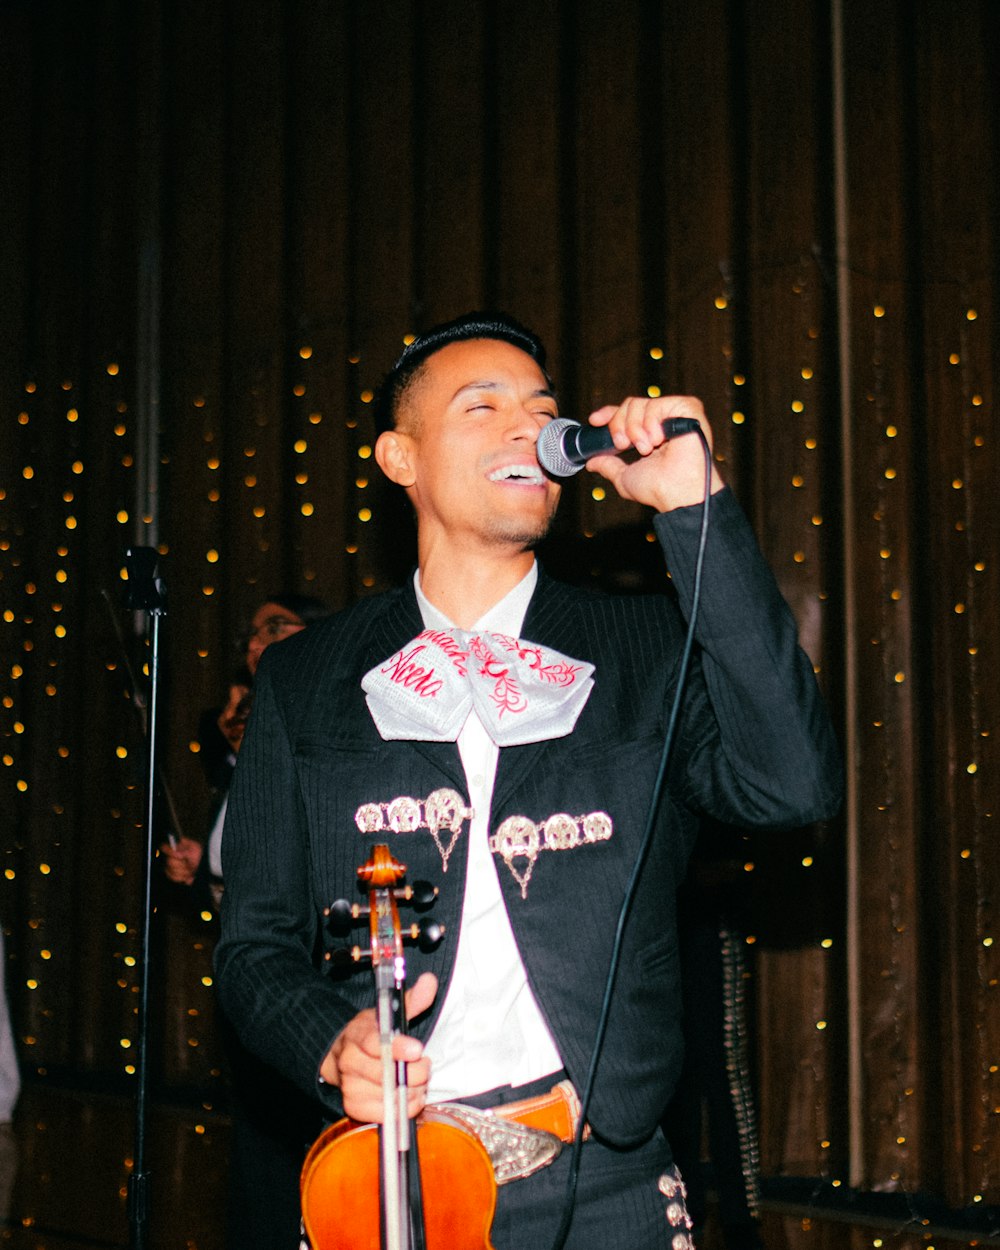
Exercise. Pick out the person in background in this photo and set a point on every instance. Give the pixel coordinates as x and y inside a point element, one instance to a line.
<point>221,732</point>
<point>272,1122</point>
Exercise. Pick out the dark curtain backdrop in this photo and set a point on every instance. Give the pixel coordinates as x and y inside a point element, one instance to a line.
<point>220,220</point>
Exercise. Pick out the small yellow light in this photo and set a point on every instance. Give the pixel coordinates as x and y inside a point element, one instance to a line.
<point>71,522</point>
<point>300,445</point>
<point>365,514</point>
<point>31,983</point>
<point>305,351</point>
<point>821,1025</point>
<point>879,310</point>
<point>891,431</point>
<point>826,943</point>
<point>738,418</point>
<point>206,916</point>
<point>121,752</point>
<point>598,493</point>
<point>798,405</point>
<point>307,509</point>
<point>899,678</point>
<point>212,556</point>
<point>367,397</point>
<point>807,373</point>
<point>656,353</point>
<point>954,358</point>
<point>653,392</point>
<point>125,1043</point>
<point>807,861</point>
<point>364,452</point>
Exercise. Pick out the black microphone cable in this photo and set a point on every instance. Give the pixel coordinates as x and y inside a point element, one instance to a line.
<point>640,859</point>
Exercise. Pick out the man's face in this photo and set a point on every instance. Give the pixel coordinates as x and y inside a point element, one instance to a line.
<point>469,424</point>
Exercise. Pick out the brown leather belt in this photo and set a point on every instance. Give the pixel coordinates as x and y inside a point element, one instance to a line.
<point>557,1112</point>
<point>521,1137</point>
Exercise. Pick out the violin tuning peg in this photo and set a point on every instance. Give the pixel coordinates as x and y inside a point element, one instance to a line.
<point>423,895</point>
<point>429,935</point>
<point>341,960</point>
<point>341,916</point>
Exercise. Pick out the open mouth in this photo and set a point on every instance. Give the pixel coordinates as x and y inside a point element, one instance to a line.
<point>530,474</point>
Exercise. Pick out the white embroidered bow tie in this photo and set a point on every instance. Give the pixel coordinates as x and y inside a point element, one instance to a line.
<point>521,692</point>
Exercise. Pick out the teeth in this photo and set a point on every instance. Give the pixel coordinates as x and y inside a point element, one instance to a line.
<point>522,472</point>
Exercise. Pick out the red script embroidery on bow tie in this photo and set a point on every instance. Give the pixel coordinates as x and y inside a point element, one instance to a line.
<point>404,672</point>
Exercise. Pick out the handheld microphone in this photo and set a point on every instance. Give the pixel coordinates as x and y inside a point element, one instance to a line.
<point>565,446</point>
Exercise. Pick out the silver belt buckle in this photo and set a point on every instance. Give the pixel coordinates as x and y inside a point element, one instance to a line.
<point>515,1150</point>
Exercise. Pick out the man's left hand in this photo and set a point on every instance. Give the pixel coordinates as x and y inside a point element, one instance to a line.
<point>667,474</point>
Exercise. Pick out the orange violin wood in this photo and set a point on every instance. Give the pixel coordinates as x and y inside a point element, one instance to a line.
<point>340,1187</point>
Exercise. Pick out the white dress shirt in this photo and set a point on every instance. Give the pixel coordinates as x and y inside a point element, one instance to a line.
<point>490,1032</point>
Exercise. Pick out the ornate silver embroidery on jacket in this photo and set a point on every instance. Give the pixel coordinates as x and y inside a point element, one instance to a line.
<point>443,810</point>
<point>521,839</point>
<point>518,841</point>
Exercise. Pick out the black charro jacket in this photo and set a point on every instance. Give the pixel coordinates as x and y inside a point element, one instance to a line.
<point>755,747</point>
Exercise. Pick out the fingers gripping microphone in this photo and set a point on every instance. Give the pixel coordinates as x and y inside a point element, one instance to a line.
<point>565,446</point>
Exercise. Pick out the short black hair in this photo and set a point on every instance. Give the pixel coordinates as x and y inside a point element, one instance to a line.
<point>471,325</point>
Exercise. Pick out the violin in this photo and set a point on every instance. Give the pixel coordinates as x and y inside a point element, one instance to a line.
<point>434,1180</point>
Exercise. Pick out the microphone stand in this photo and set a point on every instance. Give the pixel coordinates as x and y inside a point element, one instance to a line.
<point>146,593</point>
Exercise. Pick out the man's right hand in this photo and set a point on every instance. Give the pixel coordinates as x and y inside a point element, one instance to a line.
<point>354,1061</point>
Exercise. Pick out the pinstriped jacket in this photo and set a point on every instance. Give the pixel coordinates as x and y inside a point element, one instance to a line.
<point>754,748</point>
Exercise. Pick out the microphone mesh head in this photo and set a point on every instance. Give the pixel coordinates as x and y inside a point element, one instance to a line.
<point>549,449</point>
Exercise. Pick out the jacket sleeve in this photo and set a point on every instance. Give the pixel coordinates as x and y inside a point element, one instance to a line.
<point>282,1007</point>
<point>770,756</point>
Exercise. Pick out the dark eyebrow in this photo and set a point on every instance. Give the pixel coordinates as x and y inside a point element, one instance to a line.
<point>543,392</point>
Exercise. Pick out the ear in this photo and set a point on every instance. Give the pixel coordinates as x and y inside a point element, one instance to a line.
<point>394,453</point>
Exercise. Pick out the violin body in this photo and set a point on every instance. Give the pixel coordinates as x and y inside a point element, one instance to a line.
<point>340,1181</point>
<point>426,1184</point>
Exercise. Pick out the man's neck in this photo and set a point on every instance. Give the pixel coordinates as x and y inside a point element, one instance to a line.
<point>466,587</point>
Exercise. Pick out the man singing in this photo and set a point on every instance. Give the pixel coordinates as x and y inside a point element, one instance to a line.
<point>502,733</point>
